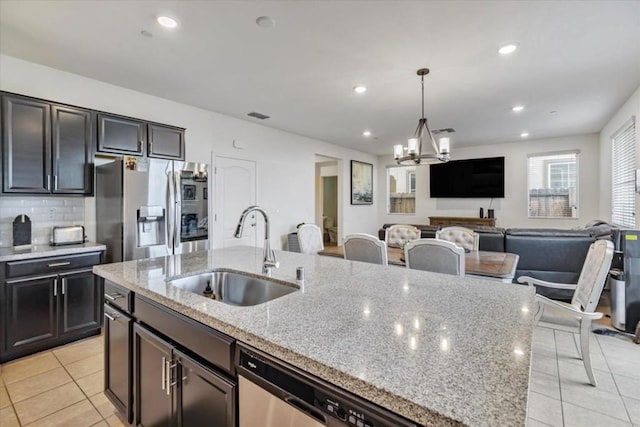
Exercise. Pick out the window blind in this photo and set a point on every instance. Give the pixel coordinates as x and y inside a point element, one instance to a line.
<point>623,166</point>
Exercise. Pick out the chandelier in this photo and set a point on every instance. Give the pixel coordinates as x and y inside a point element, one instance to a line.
<point>414,154</point>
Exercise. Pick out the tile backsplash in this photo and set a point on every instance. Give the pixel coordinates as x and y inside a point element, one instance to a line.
<point>44,212</point>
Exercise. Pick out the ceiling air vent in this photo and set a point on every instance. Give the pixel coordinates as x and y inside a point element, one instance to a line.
<point>258,115</point>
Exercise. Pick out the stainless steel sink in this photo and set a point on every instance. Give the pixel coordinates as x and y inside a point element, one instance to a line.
<point>234,288</point>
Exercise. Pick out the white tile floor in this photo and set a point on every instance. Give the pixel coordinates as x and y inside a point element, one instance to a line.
<point>559,392</point>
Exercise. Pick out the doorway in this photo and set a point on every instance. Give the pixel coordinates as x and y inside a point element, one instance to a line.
<point>328,198</point>
<point>234,191</point>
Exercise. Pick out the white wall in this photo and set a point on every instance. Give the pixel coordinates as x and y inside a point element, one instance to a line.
<point>512,210</point>
<point>630,108</point>
<point>285,161</point>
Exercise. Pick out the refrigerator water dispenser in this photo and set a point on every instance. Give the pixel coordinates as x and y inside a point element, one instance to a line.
<point>150,226</point>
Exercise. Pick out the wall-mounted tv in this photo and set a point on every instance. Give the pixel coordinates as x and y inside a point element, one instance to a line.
<point>468,178</point>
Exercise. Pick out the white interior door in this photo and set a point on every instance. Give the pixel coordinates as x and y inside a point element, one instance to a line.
<point>235,190</point>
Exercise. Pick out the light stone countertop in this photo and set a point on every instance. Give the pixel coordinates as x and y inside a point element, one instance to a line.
<point>436,349</point>
<point>39,251</point>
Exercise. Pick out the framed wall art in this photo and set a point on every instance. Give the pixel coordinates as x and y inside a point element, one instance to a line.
<point>361,183</point>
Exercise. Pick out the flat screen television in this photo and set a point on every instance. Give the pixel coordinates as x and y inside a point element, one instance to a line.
<point>468,178</point>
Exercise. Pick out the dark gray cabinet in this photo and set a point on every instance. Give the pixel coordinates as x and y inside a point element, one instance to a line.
<point>118,374</point>
<point>152,391</point>
<point>80,302</point>
<point>121,135</point>
<point>72,150</point>
<point>47,148</point>
<point>132,137</point>
<point>46,302</point>
<point>202,394</point>
<point>165,142</point>
<point>171,385</point>
<point>26,145</point>
<point>30,312</point>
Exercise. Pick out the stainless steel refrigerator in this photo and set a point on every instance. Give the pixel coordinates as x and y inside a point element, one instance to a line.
<point>151,207</point>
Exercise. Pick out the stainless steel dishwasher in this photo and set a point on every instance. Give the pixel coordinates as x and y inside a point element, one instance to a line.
<point>275,394</point>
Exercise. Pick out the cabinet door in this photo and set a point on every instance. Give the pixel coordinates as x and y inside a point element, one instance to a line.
<point>152,390</point>
<point>72,150</point>
<point>30,312</point>
<point>203,395</point>
<point>121,135</point>
<point>80,302</point>
<point>117,361</point>
<point>166,142</point>
<point>26,145</point>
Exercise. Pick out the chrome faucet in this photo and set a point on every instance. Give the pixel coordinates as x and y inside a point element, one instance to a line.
<point>269,256</point>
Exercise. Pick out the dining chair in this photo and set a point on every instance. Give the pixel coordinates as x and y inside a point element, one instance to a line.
<point>310,239</point>
<point>461,236</point>
<point>439,256</point>
<point>366,248</point>
<point>399,234</point>
<point>576,316</point>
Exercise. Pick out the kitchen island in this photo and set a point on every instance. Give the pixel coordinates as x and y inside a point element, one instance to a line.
<point>435,349</point>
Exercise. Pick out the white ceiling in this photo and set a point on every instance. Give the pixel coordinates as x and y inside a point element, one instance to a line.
<point>578,58</point>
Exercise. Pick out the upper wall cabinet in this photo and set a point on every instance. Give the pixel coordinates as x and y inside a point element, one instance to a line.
<point>121,135</point>
<point>165,142</point>
<point>132,137</point>
<point>46,148</point>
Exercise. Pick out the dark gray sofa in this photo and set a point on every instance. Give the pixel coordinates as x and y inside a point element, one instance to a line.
<point>549,254</point>
<point>554,255</point>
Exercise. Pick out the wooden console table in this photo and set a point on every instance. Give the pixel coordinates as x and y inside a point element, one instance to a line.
<point>447,221</point>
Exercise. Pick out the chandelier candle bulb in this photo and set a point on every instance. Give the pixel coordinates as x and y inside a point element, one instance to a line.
<point>398,151</point>
<point>412,145</point>
<point>444,145</point>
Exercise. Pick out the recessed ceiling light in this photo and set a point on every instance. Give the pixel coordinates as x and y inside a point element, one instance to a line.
<point>360,89</point>
<point>366,133</point>
<point>167,22</point>
<point>524,134</point>
<point>517,108</point>
<point>507,49</point>
<point>265,22</point>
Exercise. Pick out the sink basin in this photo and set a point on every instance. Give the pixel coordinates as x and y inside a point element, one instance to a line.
<point>234,288</point>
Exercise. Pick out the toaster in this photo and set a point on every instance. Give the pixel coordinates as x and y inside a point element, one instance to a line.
<point>69,235</point>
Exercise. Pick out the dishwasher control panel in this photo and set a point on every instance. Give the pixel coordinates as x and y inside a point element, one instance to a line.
<point>343,411</point>
<point>328,404</point>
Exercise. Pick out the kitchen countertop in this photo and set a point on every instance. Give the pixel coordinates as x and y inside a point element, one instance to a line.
<point>436,349</point>
<point>39,251</point>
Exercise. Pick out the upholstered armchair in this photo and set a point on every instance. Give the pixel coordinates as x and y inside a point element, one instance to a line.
<point>461,236</point>
<point>365,248</point>
<point>399,234</point>
<point>576,316</point>
<point>435,255</point>
<point>310,239</point>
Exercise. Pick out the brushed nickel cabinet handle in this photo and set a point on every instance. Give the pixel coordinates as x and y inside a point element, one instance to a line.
<point>55,182</point>
<point>55,287</point>
<point>110,317</point>
<point>64,285</point>
<point>48,182</point>
<point>59,264</point>
<point>164,373</point>
<point>114,296</point>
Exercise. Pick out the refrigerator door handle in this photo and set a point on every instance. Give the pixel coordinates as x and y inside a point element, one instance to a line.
<point>170,214</point>
<point>178,210</point>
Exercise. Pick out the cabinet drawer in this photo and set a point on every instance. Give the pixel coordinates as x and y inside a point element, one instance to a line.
<point>118,296</point>
<point>213,346</point>
<point>51,264</point>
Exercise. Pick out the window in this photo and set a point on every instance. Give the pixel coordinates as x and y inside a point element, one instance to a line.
<point>412,181</point>
<point>401,186</point>
<point>553,185</point>
<point>623,166</point>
